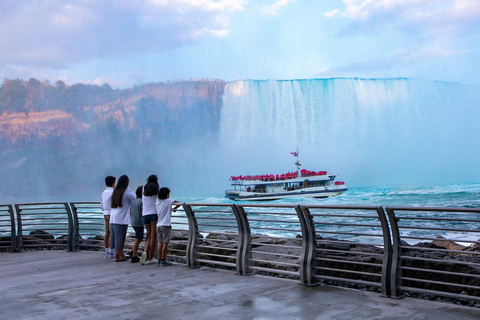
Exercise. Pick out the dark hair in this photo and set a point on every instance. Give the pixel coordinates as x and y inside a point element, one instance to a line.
<point>117,194</point>
<point>138,192</point>
<point>151,188</point>
<point>109,181</point>
<point>163,193</point>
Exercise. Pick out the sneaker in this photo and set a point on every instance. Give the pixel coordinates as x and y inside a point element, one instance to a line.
<point>153,261</point>
<point>143,258</point>
<point>135,259</point>
<point>166,263</point>
<point>109,254</point>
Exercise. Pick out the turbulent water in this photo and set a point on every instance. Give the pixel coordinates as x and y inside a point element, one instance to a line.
<point>458,195</point>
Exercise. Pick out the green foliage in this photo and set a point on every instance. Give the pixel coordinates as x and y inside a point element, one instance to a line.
<point>17,95</point>
<point>12,96</point>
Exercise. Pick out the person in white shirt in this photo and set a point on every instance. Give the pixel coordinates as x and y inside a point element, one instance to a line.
<point>105,204</point>
<point>122,199</point>
<point>150,217</point>
<point>164,226</point>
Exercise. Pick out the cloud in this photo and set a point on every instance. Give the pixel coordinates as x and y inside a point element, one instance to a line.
<point>433,17</point>
<point>55,33</point>
<point>402,58</point>
<point>275,8</point>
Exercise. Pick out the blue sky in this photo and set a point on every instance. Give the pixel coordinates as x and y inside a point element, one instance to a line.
<point>124,43</point>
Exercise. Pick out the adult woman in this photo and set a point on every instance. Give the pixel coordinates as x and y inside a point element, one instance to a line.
<point>150,218</point>
<point>122,198</point>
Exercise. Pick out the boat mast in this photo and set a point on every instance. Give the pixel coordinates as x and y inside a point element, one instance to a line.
<point>295,154</point>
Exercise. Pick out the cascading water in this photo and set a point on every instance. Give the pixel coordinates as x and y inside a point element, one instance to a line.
<point>371,131</point>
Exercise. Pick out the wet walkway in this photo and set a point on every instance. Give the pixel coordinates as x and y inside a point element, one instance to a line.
<point>84,285</point>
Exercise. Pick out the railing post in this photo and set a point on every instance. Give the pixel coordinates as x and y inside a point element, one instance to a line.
<point>13,236</point>
<point>396,272</point>
<point>19,228</point>
<point>308,246</point>
<point>76,228</point>
<point>70,236</point>
<point>387,254</point>
<point>193,235</point>
<point>244,248</point>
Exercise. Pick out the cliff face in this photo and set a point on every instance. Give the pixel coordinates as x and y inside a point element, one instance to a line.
<point>39,126</point>
<point>131,110</point>
<point>68,138</point>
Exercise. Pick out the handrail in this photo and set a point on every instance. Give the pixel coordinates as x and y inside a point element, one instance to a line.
<point>334,270</point>
<point>416,270</point>
<point>63,212</point>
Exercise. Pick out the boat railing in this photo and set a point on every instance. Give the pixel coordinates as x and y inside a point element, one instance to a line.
<point>395,251</point>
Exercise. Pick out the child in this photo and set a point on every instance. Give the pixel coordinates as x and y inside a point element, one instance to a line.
<point>105,204</point>
<point>150,217</point>
<point>164,225</point>
<point>137,223</point>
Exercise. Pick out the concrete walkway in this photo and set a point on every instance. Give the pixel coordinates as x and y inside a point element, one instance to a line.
<point>84,285</point>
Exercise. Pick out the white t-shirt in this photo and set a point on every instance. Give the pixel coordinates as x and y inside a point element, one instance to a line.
<point>106,202</point>
<point>121,215</point>
<point>164,210</point>
<point>149,205</point>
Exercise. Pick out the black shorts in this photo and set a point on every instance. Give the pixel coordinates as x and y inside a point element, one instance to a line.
<point>138,232</point>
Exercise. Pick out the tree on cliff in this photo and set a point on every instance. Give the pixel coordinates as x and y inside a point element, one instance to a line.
<point>17,95</point>
<point>12,97</point>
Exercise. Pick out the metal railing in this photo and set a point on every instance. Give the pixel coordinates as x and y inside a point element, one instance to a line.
<point>49,225</point>
<point>213,235</point>
<point>350,245</point>
<point>180,236</point>
<point>274,239</point>
<point>395,251</point>
<point>7,228</point>
<point>89,225</point>
<point>436,252</point>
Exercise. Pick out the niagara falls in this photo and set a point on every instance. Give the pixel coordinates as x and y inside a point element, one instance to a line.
<point>213,159</point>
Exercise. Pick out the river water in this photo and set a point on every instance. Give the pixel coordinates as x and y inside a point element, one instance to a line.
<point>459,195</point>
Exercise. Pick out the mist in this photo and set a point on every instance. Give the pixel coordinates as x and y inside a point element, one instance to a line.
<point>372,132</point>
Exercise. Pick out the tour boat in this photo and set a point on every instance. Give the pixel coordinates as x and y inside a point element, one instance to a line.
<point>302,183</point>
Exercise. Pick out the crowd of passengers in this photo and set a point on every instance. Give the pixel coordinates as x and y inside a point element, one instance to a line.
<point>279,177</point>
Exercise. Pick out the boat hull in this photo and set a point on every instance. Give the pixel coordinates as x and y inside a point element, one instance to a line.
<point>251,196</point>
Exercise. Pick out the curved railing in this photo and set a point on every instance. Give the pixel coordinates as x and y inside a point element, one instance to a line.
<point>44,225</point>
<point>396,251</point>
<point>436,252</point>
<point>361,257</point>
<point>7,229</point>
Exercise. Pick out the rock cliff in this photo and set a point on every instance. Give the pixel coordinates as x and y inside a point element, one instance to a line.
<point>60,140</point>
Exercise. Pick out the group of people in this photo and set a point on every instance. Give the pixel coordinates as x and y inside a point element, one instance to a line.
<point>150,208</point>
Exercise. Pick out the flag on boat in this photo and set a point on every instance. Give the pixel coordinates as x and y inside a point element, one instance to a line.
<point>295,154</point>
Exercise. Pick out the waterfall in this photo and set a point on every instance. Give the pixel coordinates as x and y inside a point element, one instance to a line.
<point>371,131</point>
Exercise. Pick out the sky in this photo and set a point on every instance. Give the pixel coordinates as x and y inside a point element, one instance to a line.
<point>126,43</point>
